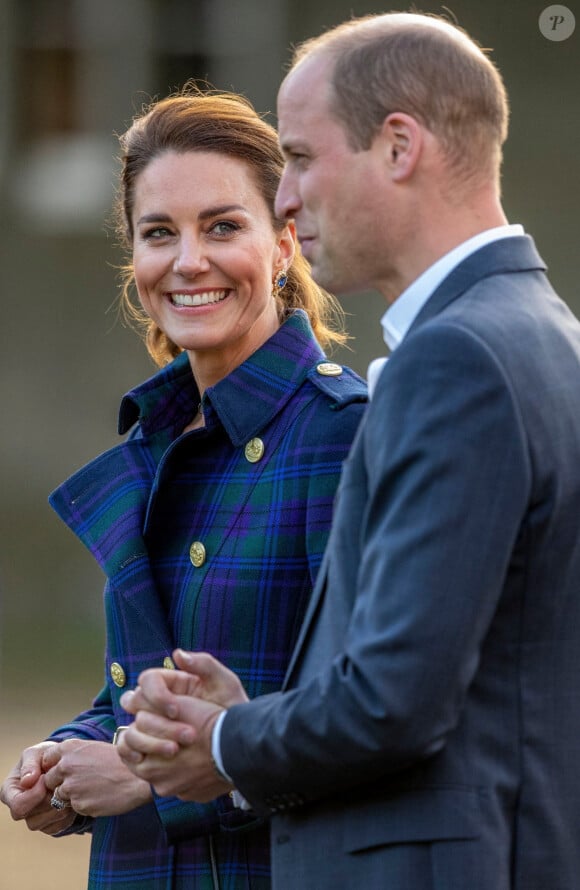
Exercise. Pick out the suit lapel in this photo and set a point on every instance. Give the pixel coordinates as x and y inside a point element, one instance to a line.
<point>319,592</point>
<point>309,619</point>
<point>515,254</point>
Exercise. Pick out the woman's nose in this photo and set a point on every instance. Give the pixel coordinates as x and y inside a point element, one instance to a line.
<point>191,258</point>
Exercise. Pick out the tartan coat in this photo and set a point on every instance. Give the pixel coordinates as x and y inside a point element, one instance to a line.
<point>255,489</point>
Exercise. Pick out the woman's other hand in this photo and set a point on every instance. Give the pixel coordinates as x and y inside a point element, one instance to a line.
<point>93,778</point>
<point>27,796</point>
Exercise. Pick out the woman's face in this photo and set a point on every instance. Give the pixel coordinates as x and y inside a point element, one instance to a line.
<point>205,254</point>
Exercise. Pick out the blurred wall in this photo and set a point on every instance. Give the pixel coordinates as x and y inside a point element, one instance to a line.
<point>72,73</point>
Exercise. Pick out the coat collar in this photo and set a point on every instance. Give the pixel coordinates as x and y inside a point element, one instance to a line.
<point>105,503</point>
<point>263,384</point>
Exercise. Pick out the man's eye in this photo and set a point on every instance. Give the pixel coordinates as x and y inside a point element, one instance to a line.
<point>298,160</point>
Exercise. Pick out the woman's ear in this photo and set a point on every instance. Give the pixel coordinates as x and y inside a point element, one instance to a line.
<point>286,246</point>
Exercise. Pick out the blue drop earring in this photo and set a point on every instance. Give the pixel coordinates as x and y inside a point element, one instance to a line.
<point>279,282</point>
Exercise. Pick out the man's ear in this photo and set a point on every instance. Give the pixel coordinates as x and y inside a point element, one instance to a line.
<point>402,140</point>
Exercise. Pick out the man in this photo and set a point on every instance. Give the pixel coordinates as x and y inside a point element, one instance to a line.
<point>428,735</point>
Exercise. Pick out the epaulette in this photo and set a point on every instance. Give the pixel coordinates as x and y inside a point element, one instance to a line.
<point>341,384</point>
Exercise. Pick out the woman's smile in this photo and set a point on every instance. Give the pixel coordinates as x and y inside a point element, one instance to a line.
<point>198,298</point>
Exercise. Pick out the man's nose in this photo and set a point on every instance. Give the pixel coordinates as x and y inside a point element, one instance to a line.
<point>287,199</point>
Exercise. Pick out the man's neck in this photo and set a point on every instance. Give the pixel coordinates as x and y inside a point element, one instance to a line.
<point>442,230</point>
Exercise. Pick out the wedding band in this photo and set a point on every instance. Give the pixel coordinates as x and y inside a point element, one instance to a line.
<point>57,802</point>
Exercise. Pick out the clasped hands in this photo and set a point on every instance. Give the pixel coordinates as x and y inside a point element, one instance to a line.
<point>169,743</point>
<point>87,777</point>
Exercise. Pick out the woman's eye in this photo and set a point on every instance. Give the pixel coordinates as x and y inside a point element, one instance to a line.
<point>224,228</point>
<point>155,234</point>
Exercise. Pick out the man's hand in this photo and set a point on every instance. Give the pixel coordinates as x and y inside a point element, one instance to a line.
<point>201,676</point>
<point>213,680</point>
<point>174,753</point>
<point>169,744</point>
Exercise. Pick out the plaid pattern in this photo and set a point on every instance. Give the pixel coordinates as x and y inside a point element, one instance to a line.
<point>264,525</point>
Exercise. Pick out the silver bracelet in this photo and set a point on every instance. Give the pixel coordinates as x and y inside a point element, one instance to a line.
<point>118,732</point>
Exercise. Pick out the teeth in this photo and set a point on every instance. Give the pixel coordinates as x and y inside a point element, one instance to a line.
<point>210,296</point>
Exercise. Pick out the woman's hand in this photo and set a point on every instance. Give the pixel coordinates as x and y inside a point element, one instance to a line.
<point>27,796</point>
<point>92,776</point>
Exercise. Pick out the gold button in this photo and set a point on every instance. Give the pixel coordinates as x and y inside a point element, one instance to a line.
<point>197,554</point>
<point>329,369</point>
<point>254,450</point>
<point>168,663</point>
<point>118,674</point>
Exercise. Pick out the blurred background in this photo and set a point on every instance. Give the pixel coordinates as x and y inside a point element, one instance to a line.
<point>72,74</point>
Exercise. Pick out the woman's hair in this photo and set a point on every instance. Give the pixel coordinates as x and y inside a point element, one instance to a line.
<point>225,123</point>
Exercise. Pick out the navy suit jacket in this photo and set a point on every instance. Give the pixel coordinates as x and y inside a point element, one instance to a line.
<point>429,734</point>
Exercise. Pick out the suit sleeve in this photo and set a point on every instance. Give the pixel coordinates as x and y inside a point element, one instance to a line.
<point>448,476</point>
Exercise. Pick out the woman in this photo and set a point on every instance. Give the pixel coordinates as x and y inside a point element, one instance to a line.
<point>211,518</point>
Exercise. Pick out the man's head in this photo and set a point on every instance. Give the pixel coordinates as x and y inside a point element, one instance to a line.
<point>421,65</point>
<point>403,110</point>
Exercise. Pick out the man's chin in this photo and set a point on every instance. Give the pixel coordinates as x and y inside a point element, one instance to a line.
<point>323,275</point>
<point>331,280</point>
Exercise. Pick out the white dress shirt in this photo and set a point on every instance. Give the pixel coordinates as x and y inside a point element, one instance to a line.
<point>402,313</point>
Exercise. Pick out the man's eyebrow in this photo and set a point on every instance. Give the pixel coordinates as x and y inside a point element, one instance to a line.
<point>289,148</point>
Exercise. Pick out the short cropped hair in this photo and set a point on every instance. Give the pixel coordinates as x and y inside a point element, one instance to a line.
<point>421,65</point>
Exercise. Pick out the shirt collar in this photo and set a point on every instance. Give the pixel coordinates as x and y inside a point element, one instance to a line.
<point>243,402</point>
<point>400,315</point>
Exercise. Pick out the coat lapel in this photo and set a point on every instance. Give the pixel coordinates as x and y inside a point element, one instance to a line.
<point>105,504</point>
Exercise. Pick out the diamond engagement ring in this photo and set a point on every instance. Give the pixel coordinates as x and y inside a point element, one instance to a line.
<point>57,802</point>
